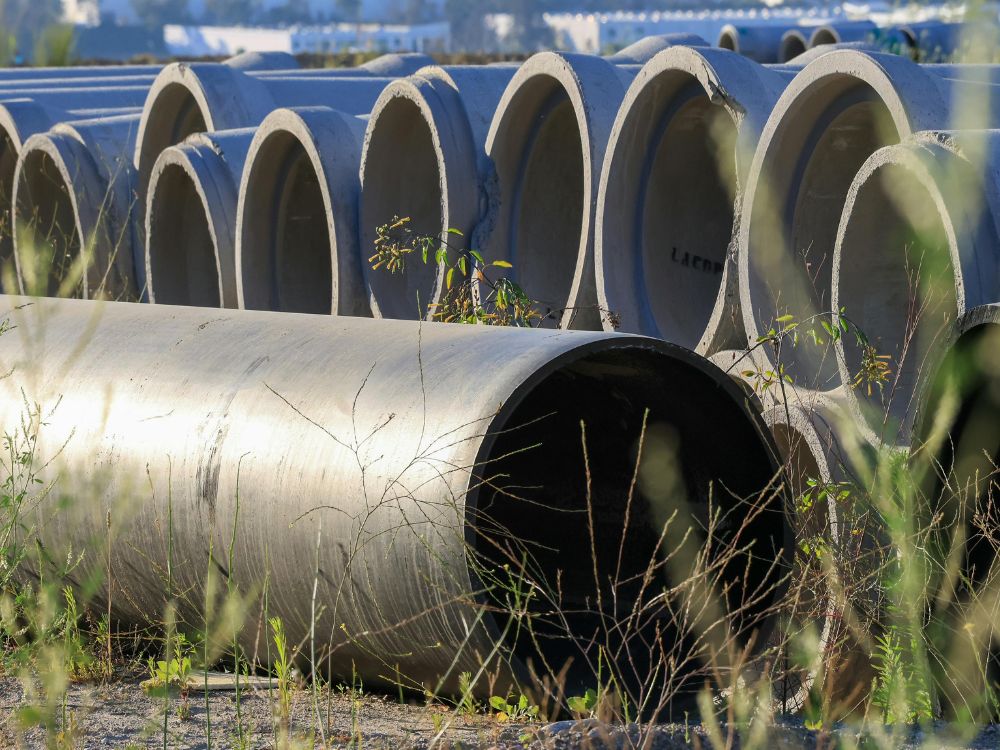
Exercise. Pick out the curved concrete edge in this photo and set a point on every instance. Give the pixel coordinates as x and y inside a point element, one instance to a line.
<point>928,194</point>
<point>263,60</point>
<point>745,92</point>
<point>190,220</point>
<point>569,101</point>
<point>760,42</point>
<point>424,158</point>
<point>904,97</point>
<point>92,164</point>
<point>793,44</point>
<point>641,52</point>
<point>397,64</point>
<point>321,144</point>
<point>842,31</point>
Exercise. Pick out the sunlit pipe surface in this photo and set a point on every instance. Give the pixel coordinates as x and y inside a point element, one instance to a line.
<point>370,474</point>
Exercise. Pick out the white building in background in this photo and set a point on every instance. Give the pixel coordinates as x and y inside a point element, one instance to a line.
<point>120,11</point>
<point>199,41</point>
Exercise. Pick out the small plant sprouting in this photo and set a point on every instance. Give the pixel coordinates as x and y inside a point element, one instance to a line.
<point>508,709</point>
<point>173,672</point>
<point>284,672</point>
<point>467,703</point>
<point>583,706</point>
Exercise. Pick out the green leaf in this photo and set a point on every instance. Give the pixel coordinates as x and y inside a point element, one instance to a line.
<point>522,702</point>
<point>498,703</point>
<point>475,254</point>
<point>452,230</point>
<point>448,277</point>
<point>501,264</point>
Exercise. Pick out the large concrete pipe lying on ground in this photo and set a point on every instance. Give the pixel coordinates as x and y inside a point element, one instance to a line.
<point>547,143</point>
<point>760,42</point>
<point>793,43</point>
<point>842,31</point>
<point>394,479</point>
<point>201,97</point>
<point>74,200</point>
<point>916,247</point>
<point>674,169</point>
<point>424,158</point>
<point>641,52</point>
<point>836,112</point>
<point>191,220</point>
<point>297,218</point>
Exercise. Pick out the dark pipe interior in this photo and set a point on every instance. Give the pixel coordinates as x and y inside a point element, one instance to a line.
<point>174,116</point>
<point>181,249</point>
<point>535,499</point>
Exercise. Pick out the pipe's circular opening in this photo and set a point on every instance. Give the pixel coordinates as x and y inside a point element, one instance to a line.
<point>539,157</point>
<point>824,36</point>
<point>807,168</point>
<point>401,177</point>
<point>285,255</point>
<point>48,242</point>
<point>792,45</point>
<point>685,214</point>
<point>8,164</point>
<point>800,463</point>
<point>182,264</point>
<point>729,40</point>
<point>896,281</point>
<point>533,506</point>
<point>172,116</point>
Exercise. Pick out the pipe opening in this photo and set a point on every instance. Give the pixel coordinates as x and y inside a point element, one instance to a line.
<point>800,463</point>
<point>182,262</point>
<point>897,282</point>
<point>8,164</point>
<point>685,214</point>
<point>402,177</point>
<point>811,160</point>
<point>521,511</point>
<point>539,155</point>
<point>792,45</point>
<point>48,244</point>
<point>173,115</point>
<point>285,246</point>
<point>824,36</point>
<point>729,40</point>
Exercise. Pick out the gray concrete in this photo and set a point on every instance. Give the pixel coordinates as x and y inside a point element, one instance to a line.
<point>673,174</point>
<point>297,219</point>
<point>760,42</point>
<point>343,459</point>
<point>794,42</point>
<point>73,201</point>
<point>547,141</point>
<point>842,31</point>
<point>191,220</point>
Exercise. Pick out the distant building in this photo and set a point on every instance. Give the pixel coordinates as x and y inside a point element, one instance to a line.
<point>198,41</point>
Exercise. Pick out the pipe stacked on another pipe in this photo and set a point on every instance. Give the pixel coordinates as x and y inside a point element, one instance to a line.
<point>387,472</point>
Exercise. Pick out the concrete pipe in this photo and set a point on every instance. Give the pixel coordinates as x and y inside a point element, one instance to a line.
<point>760,42</point>
<point>73,201</point>
<point>230,428</point>
<point>837,111</point>
<point>641,52</point>
<point>674,169</point>
<point>424,158</point>
<point>297,218</point>
<point>205,97</point>
<point>936,41</point>
<point>842,31</point>
<point>191,220</point>
<point>77,71</point>
<point>390,65</point>
<point>793,43</point>
<point>547,142</point>
<point>916,248</point>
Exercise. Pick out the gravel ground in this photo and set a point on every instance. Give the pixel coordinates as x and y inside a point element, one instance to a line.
<point>120,715</point>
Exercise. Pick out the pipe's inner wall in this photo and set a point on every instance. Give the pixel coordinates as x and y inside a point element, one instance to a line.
<point>285,243</point>
<point>814,153</point>
<point>48,243</point>
<point>685,213</point>
<point>182,263</point>
<point>402,177</point>
<point>535,502</point>
<point>897,283</point>
<point>173,116</point>
<point>800,463</point>
<point>792,45</point>
<point>728,40</point>
<point>8,163</point>
<point>539,157</point>
<point>824,36</point>
<point>959,489</point>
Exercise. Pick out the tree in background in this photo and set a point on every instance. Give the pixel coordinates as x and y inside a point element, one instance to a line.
<point>24,21</point>
<point>155,13</point>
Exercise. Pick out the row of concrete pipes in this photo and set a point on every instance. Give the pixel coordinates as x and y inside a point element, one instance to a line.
<point>390,470</point>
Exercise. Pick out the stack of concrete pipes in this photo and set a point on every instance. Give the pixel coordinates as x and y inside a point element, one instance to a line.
<point>672,192</point>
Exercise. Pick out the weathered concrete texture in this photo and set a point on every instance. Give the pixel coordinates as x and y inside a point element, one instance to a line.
<point>916,248</point>
<point>547,141</point>
<point>675,168</point>
<point>837,111</point>
<point>191,220</point>
<point>424,157</point>
<point>352,462</point>
<point>641,52</point>
<point>74,200</point>
<point>297,218</point>
<point>760,42</point>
